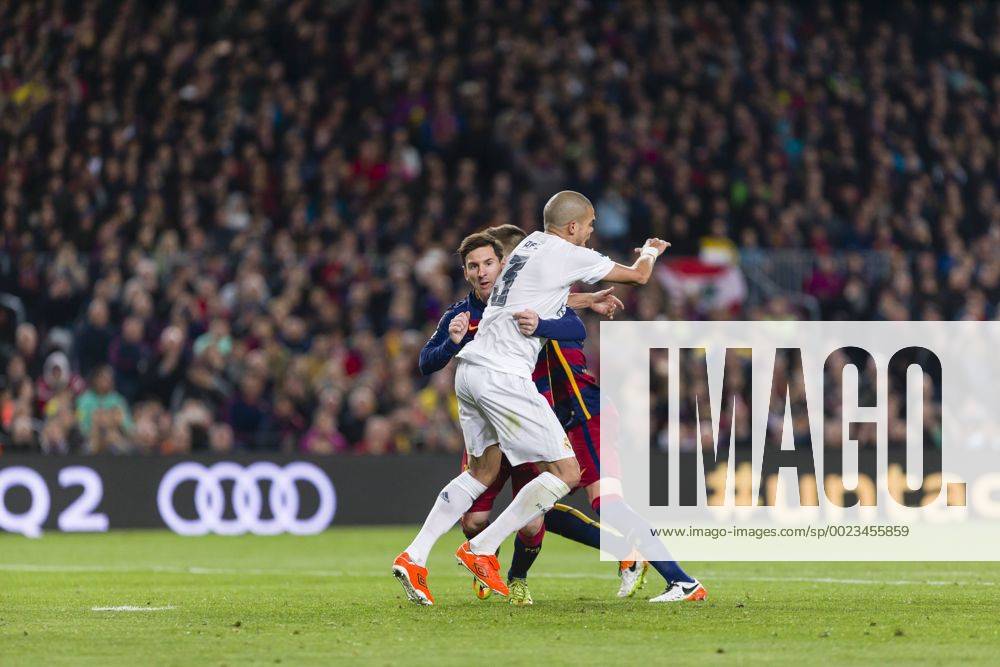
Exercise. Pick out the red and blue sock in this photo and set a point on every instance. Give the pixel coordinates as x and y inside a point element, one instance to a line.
<point>526,550</point>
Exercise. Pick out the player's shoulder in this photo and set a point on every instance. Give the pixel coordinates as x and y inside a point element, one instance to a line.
<point>460,304</point>
<point>531,243</point>
<point>457,307</point>
<point>536,238</point>
<point>559,245</point>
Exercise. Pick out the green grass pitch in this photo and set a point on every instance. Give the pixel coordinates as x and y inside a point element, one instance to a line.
<point>330,599</point>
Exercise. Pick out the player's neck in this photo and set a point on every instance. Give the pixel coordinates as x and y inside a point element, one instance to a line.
<point>561,233</point>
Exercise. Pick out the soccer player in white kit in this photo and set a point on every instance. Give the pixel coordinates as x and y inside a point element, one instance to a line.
<point>498,401</point>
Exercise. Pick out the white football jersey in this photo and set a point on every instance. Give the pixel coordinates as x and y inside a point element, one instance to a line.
<point>537,276</point>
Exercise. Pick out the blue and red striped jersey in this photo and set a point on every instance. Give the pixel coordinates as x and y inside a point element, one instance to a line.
<point>562,377</point>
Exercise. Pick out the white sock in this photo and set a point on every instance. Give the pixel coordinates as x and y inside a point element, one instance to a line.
<point>454,500</point>
<point>536,498</point>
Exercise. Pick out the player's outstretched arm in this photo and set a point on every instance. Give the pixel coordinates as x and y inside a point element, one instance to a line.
<point>445,343</point>
<point>642,268</point>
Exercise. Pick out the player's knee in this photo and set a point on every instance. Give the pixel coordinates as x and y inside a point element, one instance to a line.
<point>473,525</point>
<point>484,476</point>
<point>570,473</point>
<point>567,470</point>
<point>485,468</point>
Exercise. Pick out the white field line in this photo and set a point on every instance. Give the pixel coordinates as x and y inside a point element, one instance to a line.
<point>133,608</point>
<point>216,571</point>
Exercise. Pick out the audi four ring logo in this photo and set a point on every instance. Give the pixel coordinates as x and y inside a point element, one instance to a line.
<point>247,499</point>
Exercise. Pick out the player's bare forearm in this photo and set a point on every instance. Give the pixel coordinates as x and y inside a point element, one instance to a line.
<point>642,268</point>
<point>637,274</point>
<point>579,300</point>
<point>602,302</point>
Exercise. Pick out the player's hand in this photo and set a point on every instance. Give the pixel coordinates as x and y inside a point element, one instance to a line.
<point>658,244</point>
<point>527,321</point>
<point>459,327</point>
<point>607,304</point>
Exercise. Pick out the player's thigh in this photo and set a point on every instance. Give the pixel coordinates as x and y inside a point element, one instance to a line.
<point>604,432</point>
<point>477,431</point>
<point>585,437</point>
<point>491,457</point>
<point>525,424</point>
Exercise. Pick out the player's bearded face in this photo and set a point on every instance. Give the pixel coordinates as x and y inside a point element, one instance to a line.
<point>481,270</point>
<point>582,229</point>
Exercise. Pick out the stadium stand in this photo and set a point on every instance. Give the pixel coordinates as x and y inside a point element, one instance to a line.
<point>231,225</point>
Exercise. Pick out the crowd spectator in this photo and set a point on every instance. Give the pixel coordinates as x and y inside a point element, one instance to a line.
<point>238,219</point>
<point>103,414</point>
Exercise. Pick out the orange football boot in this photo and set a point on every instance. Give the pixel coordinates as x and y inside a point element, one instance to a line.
<point>484,568</point>
<point>413,579</point>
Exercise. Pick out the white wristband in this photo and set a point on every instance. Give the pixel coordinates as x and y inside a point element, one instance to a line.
<point>651,251</point>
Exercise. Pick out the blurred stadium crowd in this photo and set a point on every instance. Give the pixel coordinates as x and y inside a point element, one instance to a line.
<point>232,224</point>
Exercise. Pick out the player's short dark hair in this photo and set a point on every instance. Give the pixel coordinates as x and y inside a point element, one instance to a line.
<point>479,240</point>
<point>508,236</point>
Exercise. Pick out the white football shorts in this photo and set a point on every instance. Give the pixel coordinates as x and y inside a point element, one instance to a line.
<point>495,407</point>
